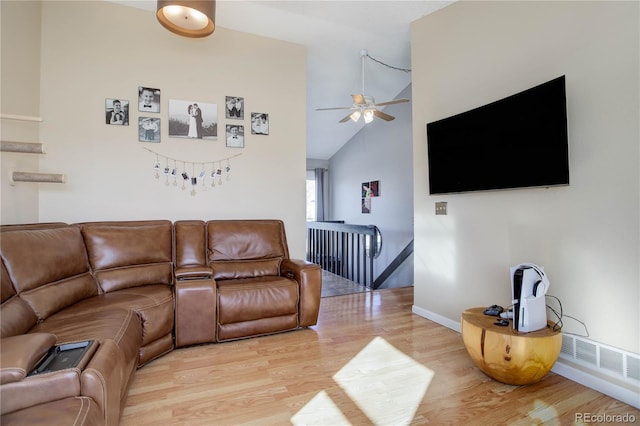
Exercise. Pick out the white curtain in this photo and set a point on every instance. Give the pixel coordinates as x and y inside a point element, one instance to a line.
<point>319,194</point>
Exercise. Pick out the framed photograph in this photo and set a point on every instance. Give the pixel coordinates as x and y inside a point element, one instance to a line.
<point>371,189</point>
<point>366,205</point>
<point>366,190</point>
<point>193,119</point>
<point>374,186</point>
<point>148,129</point>
<point>235,136</point>
<point>234,107</point>
<point>117,112</point>
<point>259,123</point>
<point>148,99</point>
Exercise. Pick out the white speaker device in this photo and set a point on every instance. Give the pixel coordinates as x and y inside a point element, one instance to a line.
<point>529,285</point>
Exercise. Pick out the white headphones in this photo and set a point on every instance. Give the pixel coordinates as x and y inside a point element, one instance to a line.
<point>544,281</point>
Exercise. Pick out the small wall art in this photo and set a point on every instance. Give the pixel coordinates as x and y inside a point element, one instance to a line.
<point>148,129</point>
<point>193,119</point>
<point>235,136</point>
<point>234,107</point>
<point>259,123</point>
<point>148,99</point>
<point>117,112</point>
<point>369,190</point>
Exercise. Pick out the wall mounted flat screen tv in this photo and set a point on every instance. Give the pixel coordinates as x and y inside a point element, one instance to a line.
<point>517,142</point>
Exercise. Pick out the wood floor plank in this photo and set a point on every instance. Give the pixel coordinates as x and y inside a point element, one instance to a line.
<point>333,369</point>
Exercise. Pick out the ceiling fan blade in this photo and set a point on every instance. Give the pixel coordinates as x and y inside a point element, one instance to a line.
<point>332,108</point>
<point>395,101</point>
<point>358,99</point>
<point>382,115</point>
<point>345,119</point>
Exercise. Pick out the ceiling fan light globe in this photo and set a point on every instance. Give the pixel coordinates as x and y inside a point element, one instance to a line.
<point>355,115</point>
<point>368,116</point>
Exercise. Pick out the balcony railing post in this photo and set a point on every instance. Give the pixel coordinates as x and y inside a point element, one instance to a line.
<point>343,249</point>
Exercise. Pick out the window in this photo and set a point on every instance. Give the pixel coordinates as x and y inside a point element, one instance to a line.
<point>311,196</point>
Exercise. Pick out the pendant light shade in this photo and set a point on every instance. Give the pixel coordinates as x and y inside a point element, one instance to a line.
<point>189,18</point>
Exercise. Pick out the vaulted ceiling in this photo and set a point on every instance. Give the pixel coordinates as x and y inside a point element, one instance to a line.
<point>334,33</point>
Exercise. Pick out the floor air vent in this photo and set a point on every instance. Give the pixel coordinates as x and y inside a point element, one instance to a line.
<point>605,359</point>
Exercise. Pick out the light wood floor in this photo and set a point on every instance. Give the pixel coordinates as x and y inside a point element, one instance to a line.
<point>368,361</point>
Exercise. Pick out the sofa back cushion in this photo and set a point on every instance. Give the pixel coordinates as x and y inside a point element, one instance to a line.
<point>129,254</point>
<point>17,316</point>
<point>245,248</point>
<point>190,242</point>
<point>48,268</point>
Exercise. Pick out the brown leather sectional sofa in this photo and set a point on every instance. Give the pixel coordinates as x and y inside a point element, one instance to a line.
<point>139,289</point>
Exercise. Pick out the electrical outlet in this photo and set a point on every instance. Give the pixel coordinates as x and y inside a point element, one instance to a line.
<point>441,207</point>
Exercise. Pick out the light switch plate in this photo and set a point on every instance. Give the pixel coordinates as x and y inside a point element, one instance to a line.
<point>441,207</point>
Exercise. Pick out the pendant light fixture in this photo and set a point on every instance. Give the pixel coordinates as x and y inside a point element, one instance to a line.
<point>189,18</point>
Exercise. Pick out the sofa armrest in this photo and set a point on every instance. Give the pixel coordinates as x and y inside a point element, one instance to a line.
<point>102,380</point>
<point>39,389</point>
<point>45,386</point>
<point>20,354</point>
<point>193,273</point>
<point>195,311</point>
<point>309,278</point>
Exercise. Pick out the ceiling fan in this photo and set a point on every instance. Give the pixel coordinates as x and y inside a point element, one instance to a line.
<point>366,106</point>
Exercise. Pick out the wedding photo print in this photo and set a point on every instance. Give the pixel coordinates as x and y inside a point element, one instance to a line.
<point>117,112</point>
<point>193,119</point>
<point>259,123</point>
<point>148,129</point>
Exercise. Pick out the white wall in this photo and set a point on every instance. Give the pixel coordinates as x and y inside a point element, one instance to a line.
<point>19,96</point>
<point>587,235</point>
<point>379,151</point>
<point>97,50</point>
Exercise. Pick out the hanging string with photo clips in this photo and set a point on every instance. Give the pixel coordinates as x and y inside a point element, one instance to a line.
<point>212,170</point>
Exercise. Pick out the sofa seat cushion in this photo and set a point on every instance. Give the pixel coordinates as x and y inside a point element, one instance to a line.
<point>256,306</point>
<point>152,303</point>
<point>253,298</point>
<point>120,325</point>
<point>77,411</point>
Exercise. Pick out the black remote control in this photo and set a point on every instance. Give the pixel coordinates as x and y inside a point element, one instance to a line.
<point>494,310</point>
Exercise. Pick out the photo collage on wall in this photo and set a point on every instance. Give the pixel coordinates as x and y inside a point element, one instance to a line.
<point>148,102</point>
<point>235,132</point>
<point>369,190</point>
<point>189,119</point>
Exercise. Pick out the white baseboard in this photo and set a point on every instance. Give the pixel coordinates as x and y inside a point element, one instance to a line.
<point>437,318</point>
<point>602,385</point>
<point>561,367</point>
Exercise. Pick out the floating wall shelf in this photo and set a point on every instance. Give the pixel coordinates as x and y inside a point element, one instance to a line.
<point>20,117</point>
<point>28,148</point>
<point>22,147</point>
<point>38,177</point>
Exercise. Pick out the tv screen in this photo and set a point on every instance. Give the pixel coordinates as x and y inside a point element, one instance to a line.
<point>516,142</point>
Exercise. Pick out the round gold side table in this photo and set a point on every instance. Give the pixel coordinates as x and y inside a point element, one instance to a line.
<point>506,355</point>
